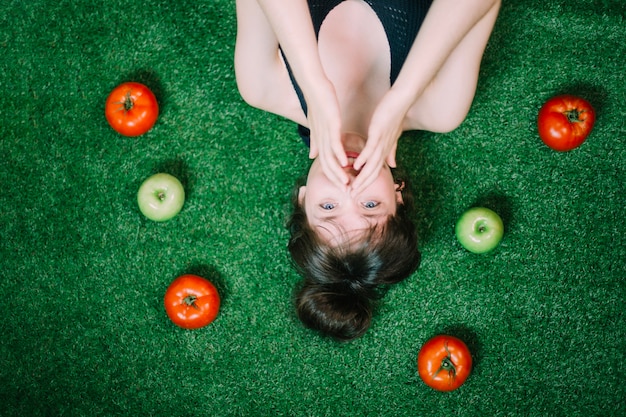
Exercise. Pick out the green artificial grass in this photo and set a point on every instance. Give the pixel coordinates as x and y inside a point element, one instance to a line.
<point>83,273</point>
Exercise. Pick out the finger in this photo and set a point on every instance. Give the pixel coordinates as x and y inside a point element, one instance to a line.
<point>341,178</point>
<point>371,149</point>
<point>391,158</point>
<point>364,180</point>
<point>339,152</point>
<point>366,177</point>
<point>360,161</point>
<point>313,151</point>
<point>334,172</point>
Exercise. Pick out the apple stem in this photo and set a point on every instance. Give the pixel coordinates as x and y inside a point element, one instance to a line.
<point>161,195</point>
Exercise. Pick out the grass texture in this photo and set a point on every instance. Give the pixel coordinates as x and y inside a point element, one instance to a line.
<point>83,273</point>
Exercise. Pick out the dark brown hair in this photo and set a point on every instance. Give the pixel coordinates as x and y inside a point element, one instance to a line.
<point>341,283</point>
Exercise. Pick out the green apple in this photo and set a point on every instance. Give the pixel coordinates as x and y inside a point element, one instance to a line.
<point>479,230</point>
<point>161,197</point>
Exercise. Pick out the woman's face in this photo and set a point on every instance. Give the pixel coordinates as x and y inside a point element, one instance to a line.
<point>337,213</point>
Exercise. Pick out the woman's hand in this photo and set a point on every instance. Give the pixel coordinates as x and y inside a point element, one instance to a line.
<point>290,22</point>
<point>325,124</point>
<point>384,131</point>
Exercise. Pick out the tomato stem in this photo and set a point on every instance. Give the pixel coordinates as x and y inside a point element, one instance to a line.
<point>573,116</point>
<point>128,102</point>
<point>190,300</point>
<point>447,365</point>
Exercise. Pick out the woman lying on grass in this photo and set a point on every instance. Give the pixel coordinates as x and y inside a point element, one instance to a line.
<point>354,75</point>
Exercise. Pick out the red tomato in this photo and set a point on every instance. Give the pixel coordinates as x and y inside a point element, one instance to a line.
<point>131,109</point>
<point>191,301</point>
<point>564,122</point>
<point>444,363</point>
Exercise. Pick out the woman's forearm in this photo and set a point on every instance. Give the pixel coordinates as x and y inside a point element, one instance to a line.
<point>445,26</point>
<point>291,22</point>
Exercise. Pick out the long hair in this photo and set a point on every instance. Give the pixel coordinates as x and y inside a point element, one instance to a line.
<point>341,283</point>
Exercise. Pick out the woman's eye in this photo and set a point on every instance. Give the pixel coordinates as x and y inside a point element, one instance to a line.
<point>327,206</point>
<point>370,204</point>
